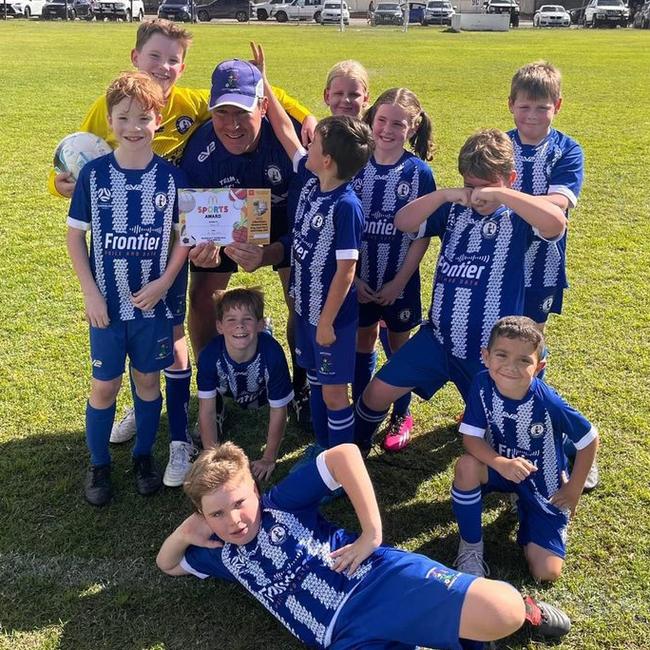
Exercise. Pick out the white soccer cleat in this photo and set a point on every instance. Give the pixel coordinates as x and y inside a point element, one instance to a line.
<point>123,430</point>
<point>593,478</point>
<point>180,461</point>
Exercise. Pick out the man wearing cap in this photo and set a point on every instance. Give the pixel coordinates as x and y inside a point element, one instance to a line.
<point>238,148</point>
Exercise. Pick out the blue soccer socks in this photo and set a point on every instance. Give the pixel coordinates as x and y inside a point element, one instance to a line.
<point>98,431</point>
<point>177,395</point>
<point>318,410</point>
<point>366,424</point>
<point>364,366</point>
<point>147,419</point>
<point>341,426</point>
<point>468,509</point>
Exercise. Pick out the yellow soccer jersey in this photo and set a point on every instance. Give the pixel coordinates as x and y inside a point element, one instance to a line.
<point>185,110</point>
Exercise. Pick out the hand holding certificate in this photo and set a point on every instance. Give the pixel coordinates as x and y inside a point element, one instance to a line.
<point>224,216</point>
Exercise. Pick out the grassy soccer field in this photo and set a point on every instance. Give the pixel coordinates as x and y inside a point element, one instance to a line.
<point>74,577</point>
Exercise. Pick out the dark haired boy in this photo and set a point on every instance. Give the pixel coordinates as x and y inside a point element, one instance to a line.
<point>327,231</point>
<point>513,431</point>
<point>246,363</point>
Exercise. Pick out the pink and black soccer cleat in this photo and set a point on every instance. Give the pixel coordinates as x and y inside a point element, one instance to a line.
<point>398,434</point>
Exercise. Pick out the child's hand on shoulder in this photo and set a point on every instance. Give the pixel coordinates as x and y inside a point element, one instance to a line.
<point>96,310</point>
<point>348,558</point>
<point>516,469</point>
<point>567,497</point>
<point>325,334</point>
<point>149,296</point>
<point>196,532</point>
<point>364,293</point>
<point>461,195</point>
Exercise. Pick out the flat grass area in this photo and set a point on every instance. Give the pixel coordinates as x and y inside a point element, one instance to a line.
<point>74,577</point>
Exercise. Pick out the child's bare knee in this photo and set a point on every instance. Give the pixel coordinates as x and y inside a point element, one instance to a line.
<point>104,393</point>
<point>545,573</point>
<point>544,566</point>
<point>336,397</point>
<point>467,473</point>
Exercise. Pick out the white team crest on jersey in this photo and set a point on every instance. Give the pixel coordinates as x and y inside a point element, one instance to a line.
<point>490,229</point>
<point>184,124</point>
<point>317,221</point>
<point>278,534</point>
<point>536,430</point>
<point>357,184</point>
<point>404,315</point>
<point>104,194</point>
<point>160,201</point>
<point>274,174</point>
<point>547,304</point>
<point>403,190</point>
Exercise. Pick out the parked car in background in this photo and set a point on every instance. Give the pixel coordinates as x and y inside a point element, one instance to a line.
<point>551,16</point>
<point>25,8</point>
<point>119,10</point>
<point>331,12</point>
<point>642,17</point>
<point>262,10</point>
<point>388,13</point>
<point>577,15</point>
<point>82,9</point>
<point>179,10</point>
<point>606,12</point>
<point>297,10</point>
<point>503,7</point>
<point>238,9</point>
<point>438,12</point>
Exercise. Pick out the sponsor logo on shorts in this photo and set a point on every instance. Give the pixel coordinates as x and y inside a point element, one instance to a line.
<point>490,229</point>
<point>160,201</point>
<point>274,174</point>
<point>403,190</point>
<point>184,124</point>
<point>317,221</point>
<point>278,534</point>
<point>537,430</point>
<point>444,575</point>
<point>547,304</point>
<point>96,363</point>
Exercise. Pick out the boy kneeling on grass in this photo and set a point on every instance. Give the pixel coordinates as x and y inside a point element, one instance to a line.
<point>328,587</point>
<point>513,432</point>
<point>246,363</point>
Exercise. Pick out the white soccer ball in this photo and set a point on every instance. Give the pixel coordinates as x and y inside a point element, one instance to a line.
<point>75,150</point>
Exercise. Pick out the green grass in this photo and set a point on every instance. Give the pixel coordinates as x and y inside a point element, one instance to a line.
<point>74,577</point>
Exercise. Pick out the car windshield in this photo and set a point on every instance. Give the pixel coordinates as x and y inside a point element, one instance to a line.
<point>386,7</point>
<point>437,5</point>
<point>175,2</point>
<point>610,3</point>
<point>552,9</point>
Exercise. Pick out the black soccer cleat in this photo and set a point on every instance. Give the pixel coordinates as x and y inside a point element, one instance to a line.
<point>302,409</point>
<point>97,487</point>
<point>147,477</point>
<point>546,619</point>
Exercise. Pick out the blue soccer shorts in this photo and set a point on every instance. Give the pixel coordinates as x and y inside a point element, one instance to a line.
<point>540,522</point>
<point>402,316</point>
<point>148,342</point>
<point>423,363</point>
<point>334,364</point>
<point>177,296</point>
<point>407,600</point>
<point>539,304</point>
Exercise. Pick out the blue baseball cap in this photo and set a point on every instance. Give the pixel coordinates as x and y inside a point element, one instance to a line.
<point>236,83</point>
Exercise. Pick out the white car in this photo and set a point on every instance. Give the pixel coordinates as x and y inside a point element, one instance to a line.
<point>120,10</point>
<point>297,10</point>
<point>551,16</point>
<point>331,12</point>
<point>606,12</point>
<point>25,8</point>
<point>262,10</point>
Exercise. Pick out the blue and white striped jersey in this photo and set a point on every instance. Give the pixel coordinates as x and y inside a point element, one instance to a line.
<point>383,190</point>
<point>479,275</point>
<point>532,428</point>
<point>288,566</point>
<point>130,214</point>
<point>328,227</point>
<point>264,379</point>
<point>554,166</point>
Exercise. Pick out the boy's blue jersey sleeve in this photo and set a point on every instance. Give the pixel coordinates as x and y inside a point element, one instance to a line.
<point>207,380</point>
<point>474,419</point>
<point>79,214</point>
<point>436,224</point>
<point>349,227</point>
<point>279,389</point>
<point>567,174</point>
<point>205,562</point>
<point>304,488</point>
<point>568,420</point>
